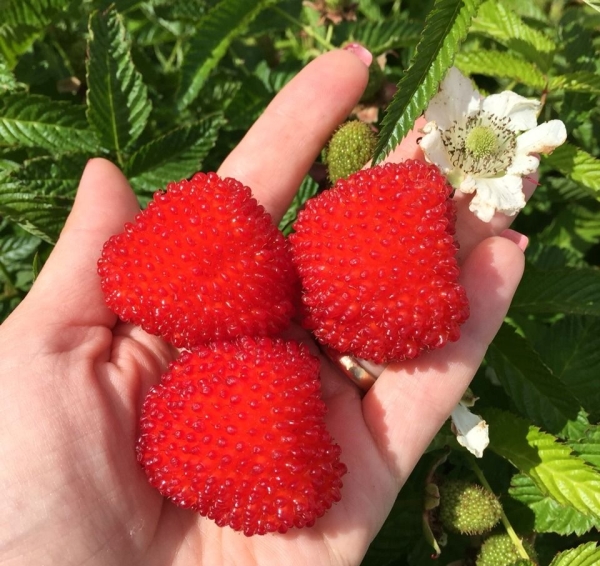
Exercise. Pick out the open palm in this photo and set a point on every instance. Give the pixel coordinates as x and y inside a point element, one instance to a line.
<point>74,377</point>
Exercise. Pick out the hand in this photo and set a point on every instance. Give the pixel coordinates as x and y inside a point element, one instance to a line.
<point>74,377</point>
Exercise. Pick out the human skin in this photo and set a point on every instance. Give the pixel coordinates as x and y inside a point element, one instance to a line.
<point>73,377</point>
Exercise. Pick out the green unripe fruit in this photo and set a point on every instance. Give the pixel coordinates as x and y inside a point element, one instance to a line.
<point>499,550</point>
<point>349,149</point>
<point>467,508</point>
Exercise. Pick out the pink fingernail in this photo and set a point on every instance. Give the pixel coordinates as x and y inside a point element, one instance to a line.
<point>520,239</point>
<point>361,52</point>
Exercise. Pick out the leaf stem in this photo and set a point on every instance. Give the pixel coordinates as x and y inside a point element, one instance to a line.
<point>306,29</point>
<point>509,528</point>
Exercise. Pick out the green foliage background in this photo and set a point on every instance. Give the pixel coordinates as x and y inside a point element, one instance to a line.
<point>168,87</point>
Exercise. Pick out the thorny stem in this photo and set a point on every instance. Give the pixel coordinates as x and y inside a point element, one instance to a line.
<point>509,528</point>
<point>306,29</point>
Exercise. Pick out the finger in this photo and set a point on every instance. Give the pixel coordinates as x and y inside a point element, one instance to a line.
<point>411,400</point>
<point>279,149</point>
<point>67,290</point>
<point>470,230</point>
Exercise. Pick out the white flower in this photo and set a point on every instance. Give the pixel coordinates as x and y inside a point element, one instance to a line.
<point>471,430</point>
<point>486,144</point>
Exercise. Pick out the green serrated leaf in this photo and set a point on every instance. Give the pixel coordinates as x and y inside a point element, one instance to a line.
<point>499,22</point>
<point>308,189</point>
<point>579,81</point>
<point>587,554</point>
<point>8,81</point>
<point>502,64</point>
<point>549,516</point>
<point>33,13</point>
<point>568,290</point>
<point>23,21</point>
<point>575,228</point>
<point>38,195</point>
<point>47,175</point>
<point>16,248</point>
<point>588,447</point>
<point>571,348</point>
<point>226,21</point>
<point>173,156</point>
<point>29,120</point>
<point>576,164</point>
<point>379,36</point>
<point>40,215</point>
<point>555,470</point>
<point>536,392</point>
<point>531,10</point>
<point>117,98</point>
<point>370,9</point>
<point>445,29</point>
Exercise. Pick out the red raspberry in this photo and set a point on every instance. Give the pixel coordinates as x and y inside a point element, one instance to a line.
<point>376,258</point>
<point>202,262</point>
<point>236,432</point>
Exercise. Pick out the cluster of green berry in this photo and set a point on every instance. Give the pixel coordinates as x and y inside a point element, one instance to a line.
<point>470,509</point>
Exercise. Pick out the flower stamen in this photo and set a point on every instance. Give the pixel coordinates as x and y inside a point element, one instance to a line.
<point>483,145</point>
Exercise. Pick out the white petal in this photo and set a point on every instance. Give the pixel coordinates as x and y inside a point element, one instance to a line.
<point>542,139</point>
<point>472,431</point>
<point>456,100</point>
<point>523,165</point>
<point>434,149</point>
<point>521,112</point>
<point>501,194</point>
<point>469,185</point>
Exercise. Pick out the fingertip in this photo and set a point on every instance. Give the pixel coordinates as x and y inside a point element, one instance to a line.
<point>517,238</point>
<point>104,197</point>
<point>360,51</point>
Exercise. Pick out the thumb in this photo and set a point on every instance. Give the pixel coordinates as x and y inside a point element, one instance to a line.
<point>67,291</point>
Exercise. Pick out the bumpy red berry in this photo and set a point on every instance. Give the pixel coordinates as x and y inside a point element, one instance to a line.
<point>202,262</point>
<point>236,432</point>
<point>376,256</point>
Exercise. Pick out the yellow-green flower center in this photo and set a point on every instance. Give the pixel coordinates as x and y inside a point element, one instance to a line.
<point>482,141</point>
<point>483,145</point>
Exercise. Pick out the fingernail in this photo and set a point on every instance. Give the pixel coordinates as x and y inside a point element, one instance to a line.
<point>516,237</point>
<point>361,52</point>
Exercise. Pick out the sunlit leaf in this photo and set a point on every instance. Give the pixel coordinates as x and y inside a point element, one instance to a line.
<point>549,516</point>
<point>22,22</point>
<point>173,156</point>
<point>445,28</point>
<point>588,447</point>
<point>222,24</point>
<point>118,104</point>
<point>587,554</point>
<point>501,64</point>
<point>576,164</point>
<point>496,20</point>
<point>38,121</point>
<point>553,467</point>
